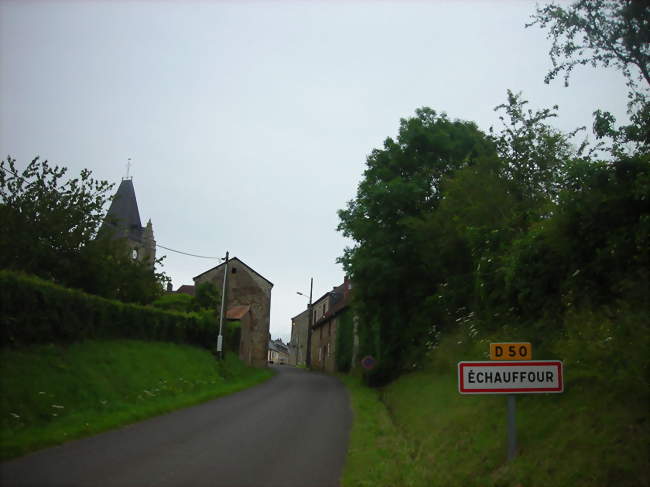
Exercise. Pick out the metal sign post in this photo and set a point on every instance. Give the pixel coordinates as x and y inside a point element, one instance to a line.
<point>511,372</point>
<point>512,427</point>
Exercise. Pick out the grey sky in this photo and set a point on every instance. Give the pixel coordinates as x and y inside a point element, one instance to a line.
<point>249,122</point>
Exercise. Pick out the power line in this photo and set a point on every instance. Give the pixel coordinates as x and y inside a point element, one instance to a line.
<point>186,253</point>
<point>9,171</point>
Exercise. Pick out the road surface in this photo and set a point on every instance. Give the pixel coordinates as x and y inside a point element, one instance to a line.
<point>289,431</point>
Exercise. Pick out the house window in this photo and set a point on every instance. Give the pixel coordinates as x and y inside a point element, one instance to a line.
<point>234,270</point>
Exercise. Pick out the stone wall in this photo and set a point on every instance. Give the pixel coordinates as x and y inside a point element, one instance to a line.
<point>245,287</point>
<point>323,346</point>
<point>298,344</point>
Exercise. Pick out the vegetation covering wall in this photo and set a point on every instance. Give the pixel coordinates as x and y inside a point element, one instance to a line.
<point>38,311</point>
<point>344,341</point>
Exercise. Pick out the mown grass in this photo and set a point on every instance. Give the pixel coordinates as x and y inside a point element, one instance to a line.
<point>584,437</point>
<point>421,432</point>
<point>595,434</point>
<point>53,393</point>
<point>378,454</point>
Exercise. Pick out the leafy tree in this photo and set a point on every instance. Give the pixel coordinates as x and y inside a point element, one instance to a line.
<point>533,152</point>
<point>402,184</point>
<point>207,296</point>
<point>50,229</point>
<point>605,33</point>
<point>599,33</point>
<point>47,222</point>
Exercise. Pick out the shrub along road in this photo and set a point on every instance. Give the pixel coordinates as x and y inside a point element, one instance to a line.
<point>290,430</point>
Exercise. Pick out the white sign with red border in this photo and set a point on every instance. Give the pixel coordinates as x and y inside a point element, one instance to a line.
<point>520,377</point>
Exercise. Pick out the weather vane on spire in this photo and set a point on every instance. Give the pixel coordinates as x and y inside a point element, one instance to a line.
<point>128,169</point>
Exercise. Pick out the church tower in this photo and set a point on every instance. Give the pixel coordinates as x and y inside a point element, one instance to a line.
<point>123,221</point>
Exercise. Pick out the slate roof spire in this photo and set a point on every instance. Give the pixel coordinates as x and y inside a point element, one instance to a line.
<point>123,216</point>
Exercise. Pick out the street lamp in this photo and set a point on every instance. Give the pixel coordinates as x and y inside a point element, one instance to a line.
<point>309,323</point>
<point>223,303</point>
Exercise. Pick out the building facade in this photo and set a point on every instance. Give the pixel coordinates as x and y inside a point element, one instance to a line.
<point>327,313</point>
<point>278,352</point>
<point>298,343</point>
<point>248,294</point>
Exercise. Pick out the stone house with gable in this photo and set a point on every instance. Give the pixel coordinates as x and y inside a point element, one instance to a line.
<point>298,343</point>
<point>278,352</point>
<point>248,299</point>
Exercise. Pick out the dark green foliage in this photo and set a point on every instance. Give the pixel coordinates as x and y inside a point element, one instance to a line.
<point>344,341</point>
<point>515,229</point>
<point>506,241</point>
<point>207,296</point>
<point>46,222</point>
<point>402,185</point>
<point>607,33</point>
<point>180,302</point>
<point>37,311</point>
<point>598,33</point>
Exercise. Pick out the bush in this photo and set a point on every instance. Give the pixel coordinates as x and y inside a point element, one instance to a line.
<point>38,311</point>
<point>183,303</point>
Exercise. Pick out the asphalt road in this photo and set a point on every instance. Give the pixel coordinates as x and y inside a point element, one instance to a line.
<point>289,431</point>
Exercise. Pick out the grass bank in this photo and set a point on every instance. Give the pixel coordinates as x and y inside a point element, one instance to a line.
<point>53,393</point>
<point>419,431</point>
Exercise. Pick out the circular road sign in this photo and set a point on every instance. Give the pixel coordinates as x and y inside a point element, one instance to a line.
<point>368,362</point>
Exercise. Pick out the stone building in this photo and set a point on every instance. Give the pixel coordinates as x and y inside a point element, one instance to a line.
<point>327,312</point>
<point>298,343</point>
<point>278,352</point>
<point>248,299</point>
<point>123,222</point>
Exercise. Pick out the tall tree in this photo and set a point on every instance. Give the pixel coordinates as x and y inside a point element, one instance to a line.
<point>605,33</point>
<point>402,184</point>
<point>50,228</point>
<point>47,221</point>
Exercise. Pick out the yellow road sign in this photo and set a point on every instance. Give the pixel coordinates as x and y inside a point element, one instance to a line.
<point>511,351</point>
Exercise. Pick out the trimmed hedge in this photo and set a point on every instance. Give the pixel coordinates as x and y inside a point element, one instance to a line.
<point>33,310</point>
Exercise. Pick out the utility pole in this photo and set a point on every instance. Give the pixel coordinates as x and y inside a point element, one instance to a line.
<point>309,324</point>
<point>223,305</point>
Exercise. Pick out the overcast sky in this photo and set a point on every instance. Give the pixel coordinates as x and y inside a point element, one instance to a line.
<point>248,123</point>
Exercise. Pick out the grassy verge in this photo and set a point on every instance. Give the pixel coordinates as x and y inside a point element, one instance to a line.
<point>378,454</point>
<point>53,393</point>
<point>419,431</point>
<point>584,437</point>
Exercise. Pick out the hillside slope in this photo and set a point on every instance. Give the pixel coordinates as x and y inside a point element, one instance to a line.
<point>422,432</point>
<point>52,393</point>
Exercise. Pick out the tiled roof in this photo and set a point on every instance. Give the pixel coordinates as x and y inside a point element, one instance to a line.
<point>278,346</point>
<point>186,289</point>
<point>237,312</point>
<point>230,261</point>
<point>123,214</point>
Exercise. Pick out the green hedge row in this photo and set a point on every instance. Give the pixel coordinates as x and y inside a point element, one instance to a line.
<point>36,311</point>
